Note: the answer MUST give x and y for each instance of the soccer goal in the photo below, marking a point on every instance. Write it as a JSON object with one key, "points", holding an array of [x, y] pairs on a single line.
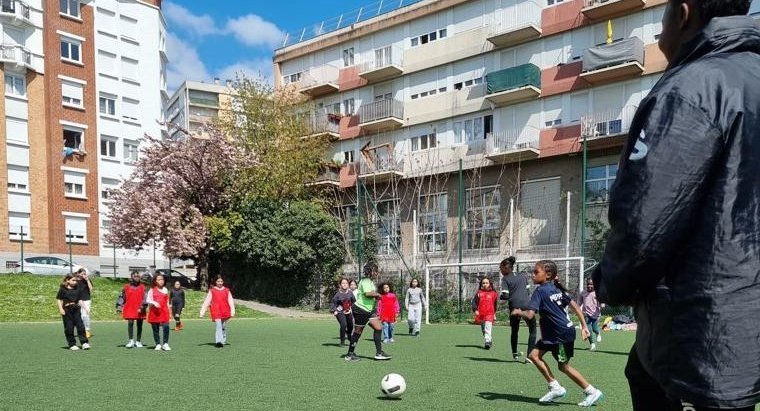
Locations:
{"points": [[445, 281]]}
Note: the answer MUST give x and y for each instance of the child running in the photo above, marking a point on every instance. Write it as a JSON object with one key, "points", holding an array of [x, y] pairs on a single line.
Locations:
{"points": [[592, 310], [387, 310], [69, 299], [85, 288], [177, 303], [219, 299], [341, 307], [158, 314], [133, 310], [484, 306], [414, 302], [514, 289], [364, 313], [551, 300]]}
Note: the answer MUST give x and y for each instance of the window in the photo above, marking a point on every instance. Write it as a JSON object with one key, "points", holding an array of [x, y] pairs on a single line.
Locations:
{"points": [[106, 63], [428, 93], [18, 178], [131, 151], [76, 229], [349, 107], [73, 138], [72, 94], [129, 69], [18, 223], [130, 109], [16, 130], [388, 227], [599, 182], [70, 8], [348, 57], [475, 129], [483, 218], [428, 37], [107, 105], [469, 83], [433, 213], [424, 142], [348, 157], [15, 85], [70, 50], [552, 2], [291, 78], [108, 147], [107, 187], [74, 184], [128, 27]]}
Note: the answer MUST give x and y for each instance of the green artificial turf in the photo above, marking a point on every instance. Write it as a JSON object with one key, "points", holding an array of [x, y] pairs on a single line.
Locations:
{"points": [[28, 297], [286, 364]]}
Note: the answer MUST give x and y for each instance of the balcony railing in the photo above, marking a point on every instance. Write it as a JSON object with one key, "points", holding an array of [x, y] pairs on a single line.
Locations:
{"points": [[319, 81], [18, 55], [516, 25], [599, 9], [380, 164], [513, 145], [327, 176], [615, 61], [381, 63], [381, 114], [607, 123], [321, 122], [15, 8], [204, 101]]}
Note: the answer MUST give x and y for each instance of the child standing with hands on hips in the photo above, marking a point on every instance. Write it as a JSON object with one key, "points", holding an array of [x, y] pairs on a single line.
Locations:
{"points": [[69, 299], [387, 310], [133, 310], [551, 300], [158, 314], [484, 306], [219, 299]]}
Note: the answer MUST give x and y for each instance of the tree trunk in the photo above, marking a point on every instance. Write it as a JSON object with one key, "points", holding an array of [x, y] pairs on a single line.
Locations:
{"points": [[201, 267]]}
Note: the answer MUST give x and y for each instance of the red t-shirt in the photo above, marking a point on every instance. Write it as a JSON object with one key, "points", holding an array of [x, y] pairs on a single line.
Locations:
{"points": [[133, 301], [220, 306], [160, 314], [486, 305], [388, 307]]}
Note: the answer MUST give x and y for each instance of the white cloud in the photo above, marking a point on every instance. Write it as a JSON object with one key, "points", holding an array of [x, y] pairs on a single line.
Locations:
{"points": [[254, 69], [184, 63], [252, 30], [181, 18]]}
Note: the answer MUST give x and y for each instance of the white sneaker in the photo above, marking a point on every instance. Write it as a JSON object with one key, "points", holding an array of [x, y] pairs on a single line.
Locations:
{"points": [[592, 398], [599, 338], [553, 394], [166, 347], [392, 340], [593, 347], [74, 348], [86, 346], [138, 344], [158, 347], [130, 344]]}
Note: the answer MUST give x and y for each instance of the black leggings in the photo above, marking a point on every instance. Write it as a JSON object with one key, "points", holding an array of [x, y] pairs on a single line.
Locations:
{"points": [[514, 323], [131, 329], [71, 320], [346, 322]]}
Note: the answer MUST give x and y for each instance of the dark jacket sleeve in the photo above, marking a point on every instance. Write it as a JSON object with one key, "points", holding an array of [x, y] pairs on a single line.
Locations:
{"points": [[475, 301], [658, 190]]}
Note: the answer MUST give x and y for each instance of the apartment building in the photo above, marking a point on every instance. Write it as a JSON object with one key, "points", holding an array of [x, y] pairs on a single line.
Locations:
{"points": [[84, 82], [532, 99], [195, 105]]}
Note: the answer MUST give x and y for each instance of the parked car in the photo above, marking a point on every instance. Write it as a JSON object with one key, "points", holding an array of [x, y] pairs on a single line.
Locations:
{"points": [[48, 265], [174, 275]]}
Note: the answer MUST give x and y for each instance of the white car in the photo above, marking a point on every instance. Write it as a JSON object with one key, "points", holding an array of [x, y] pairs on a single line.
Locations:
{"points": [[46, 265]]}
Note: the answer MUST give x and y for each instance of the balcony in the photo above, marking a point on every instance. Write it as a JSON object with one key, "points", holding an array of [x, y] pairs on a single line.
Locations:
{"points": [[382, 64], [327, 177], [513, 85], [321, 123], [516, 25], [380, 165], [511, 146], [602, 9], [607, 128], [205, 102], [319, 81], [17, 55], [617, 61], [381, 115], [16, 12]]}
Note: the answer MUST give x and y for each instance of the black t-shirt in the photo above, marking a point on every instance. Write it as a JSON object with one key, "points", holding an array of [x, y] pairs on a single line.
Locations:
{"points": [[69, 296], [84, 290], [177, 297]]}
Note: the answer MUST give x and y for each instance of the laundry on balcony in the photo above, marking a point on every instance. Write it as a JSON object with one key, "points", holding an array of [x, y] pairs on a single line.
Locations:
{"points": [[617, 53], [334, 118]]}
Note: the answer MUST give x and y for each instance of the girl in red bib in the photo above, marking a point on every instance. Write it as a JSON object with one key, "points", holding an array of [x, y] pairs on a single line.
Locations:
{"points": [[158, 314], [484, 306], [133, 296], [219, 298]]}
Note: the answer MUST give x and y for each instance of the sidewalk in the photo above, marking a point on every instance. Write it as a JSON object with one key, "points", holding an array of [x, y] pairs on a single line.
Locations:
{"points": [[281, 312]]}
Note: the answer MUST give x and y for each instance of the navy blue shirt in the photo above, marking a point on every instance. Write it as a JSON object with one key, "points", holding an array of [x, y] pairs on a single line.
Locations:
{"points": [[551, 304]]}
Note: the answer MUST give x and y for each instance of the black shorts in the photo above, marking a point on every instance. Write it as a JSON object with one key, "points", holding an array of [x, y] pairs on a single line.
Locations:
{"points": [[561, 352], [361, 316]]}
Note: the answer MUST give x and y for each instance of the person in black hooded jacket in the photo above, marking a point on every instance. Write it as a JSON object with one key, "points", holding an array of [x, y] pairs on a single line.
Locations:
{"points": [[684, 245]]}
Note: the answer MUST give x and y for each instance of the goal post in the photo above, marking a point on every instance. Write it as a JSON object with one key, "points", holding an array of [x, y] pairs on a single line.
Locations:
{"points": [[571, 272]]}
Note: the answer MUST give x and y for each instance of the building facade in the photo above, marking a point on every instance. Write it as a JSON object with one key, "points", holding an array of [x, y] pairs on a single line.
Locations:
{"points": [[195, 105], [531, 99], [85, 82]]}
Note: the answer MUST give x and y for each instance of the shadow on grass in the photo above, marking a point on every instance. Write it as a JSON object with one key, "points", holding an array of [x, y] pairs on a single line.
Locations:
{"points": [[331, 345], [384, 398], [469, 346], [486, 359], [613, 352], [210, 344], [491, 396]]}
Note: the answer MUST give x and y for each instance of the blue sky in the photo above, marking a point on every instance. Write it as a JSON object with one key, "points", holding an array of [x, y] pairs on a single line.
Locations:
{"points": [[219, 38]]}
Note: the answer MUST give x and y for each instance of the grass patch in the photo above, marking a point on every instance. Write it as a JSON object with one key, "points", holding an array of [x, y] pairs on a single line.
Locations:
{"points": [[29, 297]]}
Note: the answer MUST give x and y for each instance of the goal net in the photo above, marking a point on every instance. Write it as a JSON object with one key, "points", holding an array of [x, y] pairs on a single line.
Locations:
{"points": [[448, 288]]}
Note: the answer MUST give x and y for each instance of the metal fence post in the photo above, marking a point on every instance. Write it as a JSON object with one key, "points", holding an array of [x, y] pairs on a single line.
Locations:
{"points": [[22, 248], [71, 262]]}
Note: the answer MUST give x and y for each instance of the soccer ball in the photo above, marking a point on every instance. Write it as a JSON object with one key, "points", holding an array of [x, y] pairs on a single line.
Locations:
{"points": [[393, 385]]}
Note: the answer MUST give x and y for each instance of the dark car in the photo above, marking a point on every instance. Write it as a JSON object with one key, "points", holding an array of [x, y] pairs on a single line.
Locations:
{"points": [[174, 275]]}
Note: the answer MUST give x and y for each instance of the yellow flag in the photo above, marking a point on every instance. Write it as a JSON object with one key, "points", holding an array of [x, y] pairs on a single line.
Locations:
{"points": [[609, 31]]}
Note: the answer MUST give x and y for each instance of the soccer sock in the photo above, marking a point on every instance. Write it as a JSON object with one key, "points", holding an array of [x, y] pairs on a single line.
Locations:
{"points": [[352, 344], [554, 385], [378, 344], [589, 390]]}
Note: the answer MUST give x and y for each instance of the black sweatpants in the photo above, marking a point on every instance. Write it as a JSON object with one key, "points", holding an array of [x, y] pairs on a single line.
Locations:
{"points": [[648, 395], [514, 323], [346, 322], [73, 319]]}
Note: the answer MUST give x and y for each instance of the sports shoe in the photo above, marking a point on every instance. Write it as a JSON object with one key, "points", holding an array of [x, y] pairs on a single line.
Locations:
{"points": [[417, 334], [527, 361], [391, 340], [130, 344], [74, 348], [86, 346], [411, 331], [385, 341], [88, 334], [351, 357], [219, 345], [139, 344], [592, 398], [158, 347], [166, 347], [593, 347], [176, 328], [599, 338], [516, 355], [552, 395], [487, 345], [382, 356]]}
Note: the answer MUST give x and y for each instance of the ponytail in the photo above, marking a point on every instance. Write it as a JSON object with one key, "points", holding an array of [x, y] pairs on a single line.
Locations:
{"points": [[550, 268]]}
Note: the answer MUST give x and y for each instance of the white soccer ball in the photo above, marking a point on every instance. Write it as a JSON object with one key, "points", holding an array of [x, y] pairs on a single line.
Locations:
{"points": [[393, 385]]}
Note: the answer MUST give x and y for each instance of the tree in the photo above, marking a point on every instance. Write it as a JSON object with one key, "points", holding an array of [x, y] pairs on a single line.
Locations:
{"points": [[175, 188]]}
